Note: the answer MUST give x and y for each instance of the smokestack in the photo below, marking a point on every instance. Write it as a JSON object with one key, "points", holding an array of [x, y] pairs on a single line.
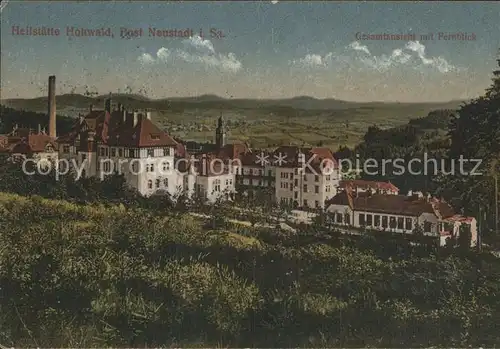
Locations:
{"points": [[52, 106]]}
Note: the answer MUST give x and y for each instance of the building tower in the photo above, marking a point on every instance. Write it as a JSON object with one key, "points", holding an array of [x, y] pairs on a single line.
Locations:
{"points": [[52, 106], [220, 133]]}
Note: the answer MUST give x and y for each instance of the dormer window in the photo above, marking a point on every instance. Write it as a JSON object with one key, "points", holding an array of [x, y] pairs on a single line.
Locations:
{"points": [[155, 137]]}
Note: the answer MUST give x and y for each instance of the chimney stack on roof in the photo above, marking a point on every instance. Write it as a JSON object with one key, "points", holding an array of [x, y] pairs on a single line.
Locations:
{"points": [[90, 107], [52, 106]]}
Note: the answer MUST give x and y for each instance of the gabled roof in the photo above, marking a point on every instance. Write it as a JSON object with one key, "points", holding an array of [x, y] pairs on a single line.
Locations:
{"points": [[111, 130], [144, 134], [33, 143]]}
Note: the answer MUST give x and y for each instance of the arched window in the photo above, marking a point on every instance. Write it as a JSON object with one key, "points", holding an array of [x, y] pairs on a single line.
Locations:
{"points": [[150, 184], [158, 181], [165, 182]]}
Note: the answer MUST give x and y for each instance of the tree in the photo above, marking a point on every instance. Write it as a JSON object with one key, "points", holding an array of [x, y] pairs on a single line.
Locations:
{"points": [[464, 237], [474, 133]]}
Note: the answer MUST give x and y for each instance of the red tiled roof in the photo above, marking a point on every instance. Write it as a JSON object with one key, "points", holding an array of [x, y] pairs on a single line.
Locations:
{"points": [[232, 151], [252, 159], [23, 141], [390, 204], [110, 129], [358, 183]]}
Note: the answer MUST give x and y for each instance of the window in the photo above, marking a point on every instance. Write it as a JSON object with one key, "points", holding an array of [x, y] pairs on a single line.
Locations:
{"points": [[305, 203], [120, 152], [327, 188], [151, 152], [361, 219], [377, 221], [166, 151], [296, 182], [101, 151], [291, 187], [427, 227], [305, 188], [327, 178], [305, 178], [316, 204], [347, 218], [166, 166], [384, 221], [113, 152], [158, 181], [150, 184], [408, 224], [295, 195], [316, 178], [217, 185], [401, 223], [369, 220], [392, 222], [316, 189], [339, 218], [269, 173], [65, 148], [151, 167]]}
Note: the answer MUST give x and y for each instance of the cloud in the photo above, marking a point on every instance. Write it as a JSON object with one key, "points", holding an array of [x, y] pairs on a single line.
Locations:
{"points": [[199, 44], [356, 46], [146, 58], [196, 51], [412, 54], [358, 56], [313, 60], [439, 62]]}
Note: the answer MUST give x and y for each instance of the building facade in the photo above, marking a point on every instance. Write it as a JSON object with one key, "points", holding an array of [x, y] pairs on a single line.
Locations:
{"points": [[399, 214]]}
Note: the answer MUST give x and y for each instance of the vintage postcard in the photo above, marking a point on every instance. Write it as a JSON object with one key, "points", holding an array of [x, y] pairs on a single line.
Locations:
{"points": [[249, 174]]}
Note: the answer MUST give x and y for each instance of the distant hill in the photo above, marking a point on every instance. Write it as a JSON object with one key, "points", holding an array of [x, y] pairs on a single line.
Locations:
{"points": [[134, 101]]}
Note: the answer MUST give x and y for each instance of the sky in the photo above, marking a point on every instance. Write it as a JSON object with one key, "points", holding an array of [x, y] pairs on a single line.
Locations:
{"points": [[262, 49]]}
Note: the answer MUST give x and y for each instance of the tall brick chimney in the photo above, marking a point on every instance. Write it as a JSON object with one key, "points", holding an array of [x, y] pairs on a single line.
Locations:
{"points": [[52, 106]]}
